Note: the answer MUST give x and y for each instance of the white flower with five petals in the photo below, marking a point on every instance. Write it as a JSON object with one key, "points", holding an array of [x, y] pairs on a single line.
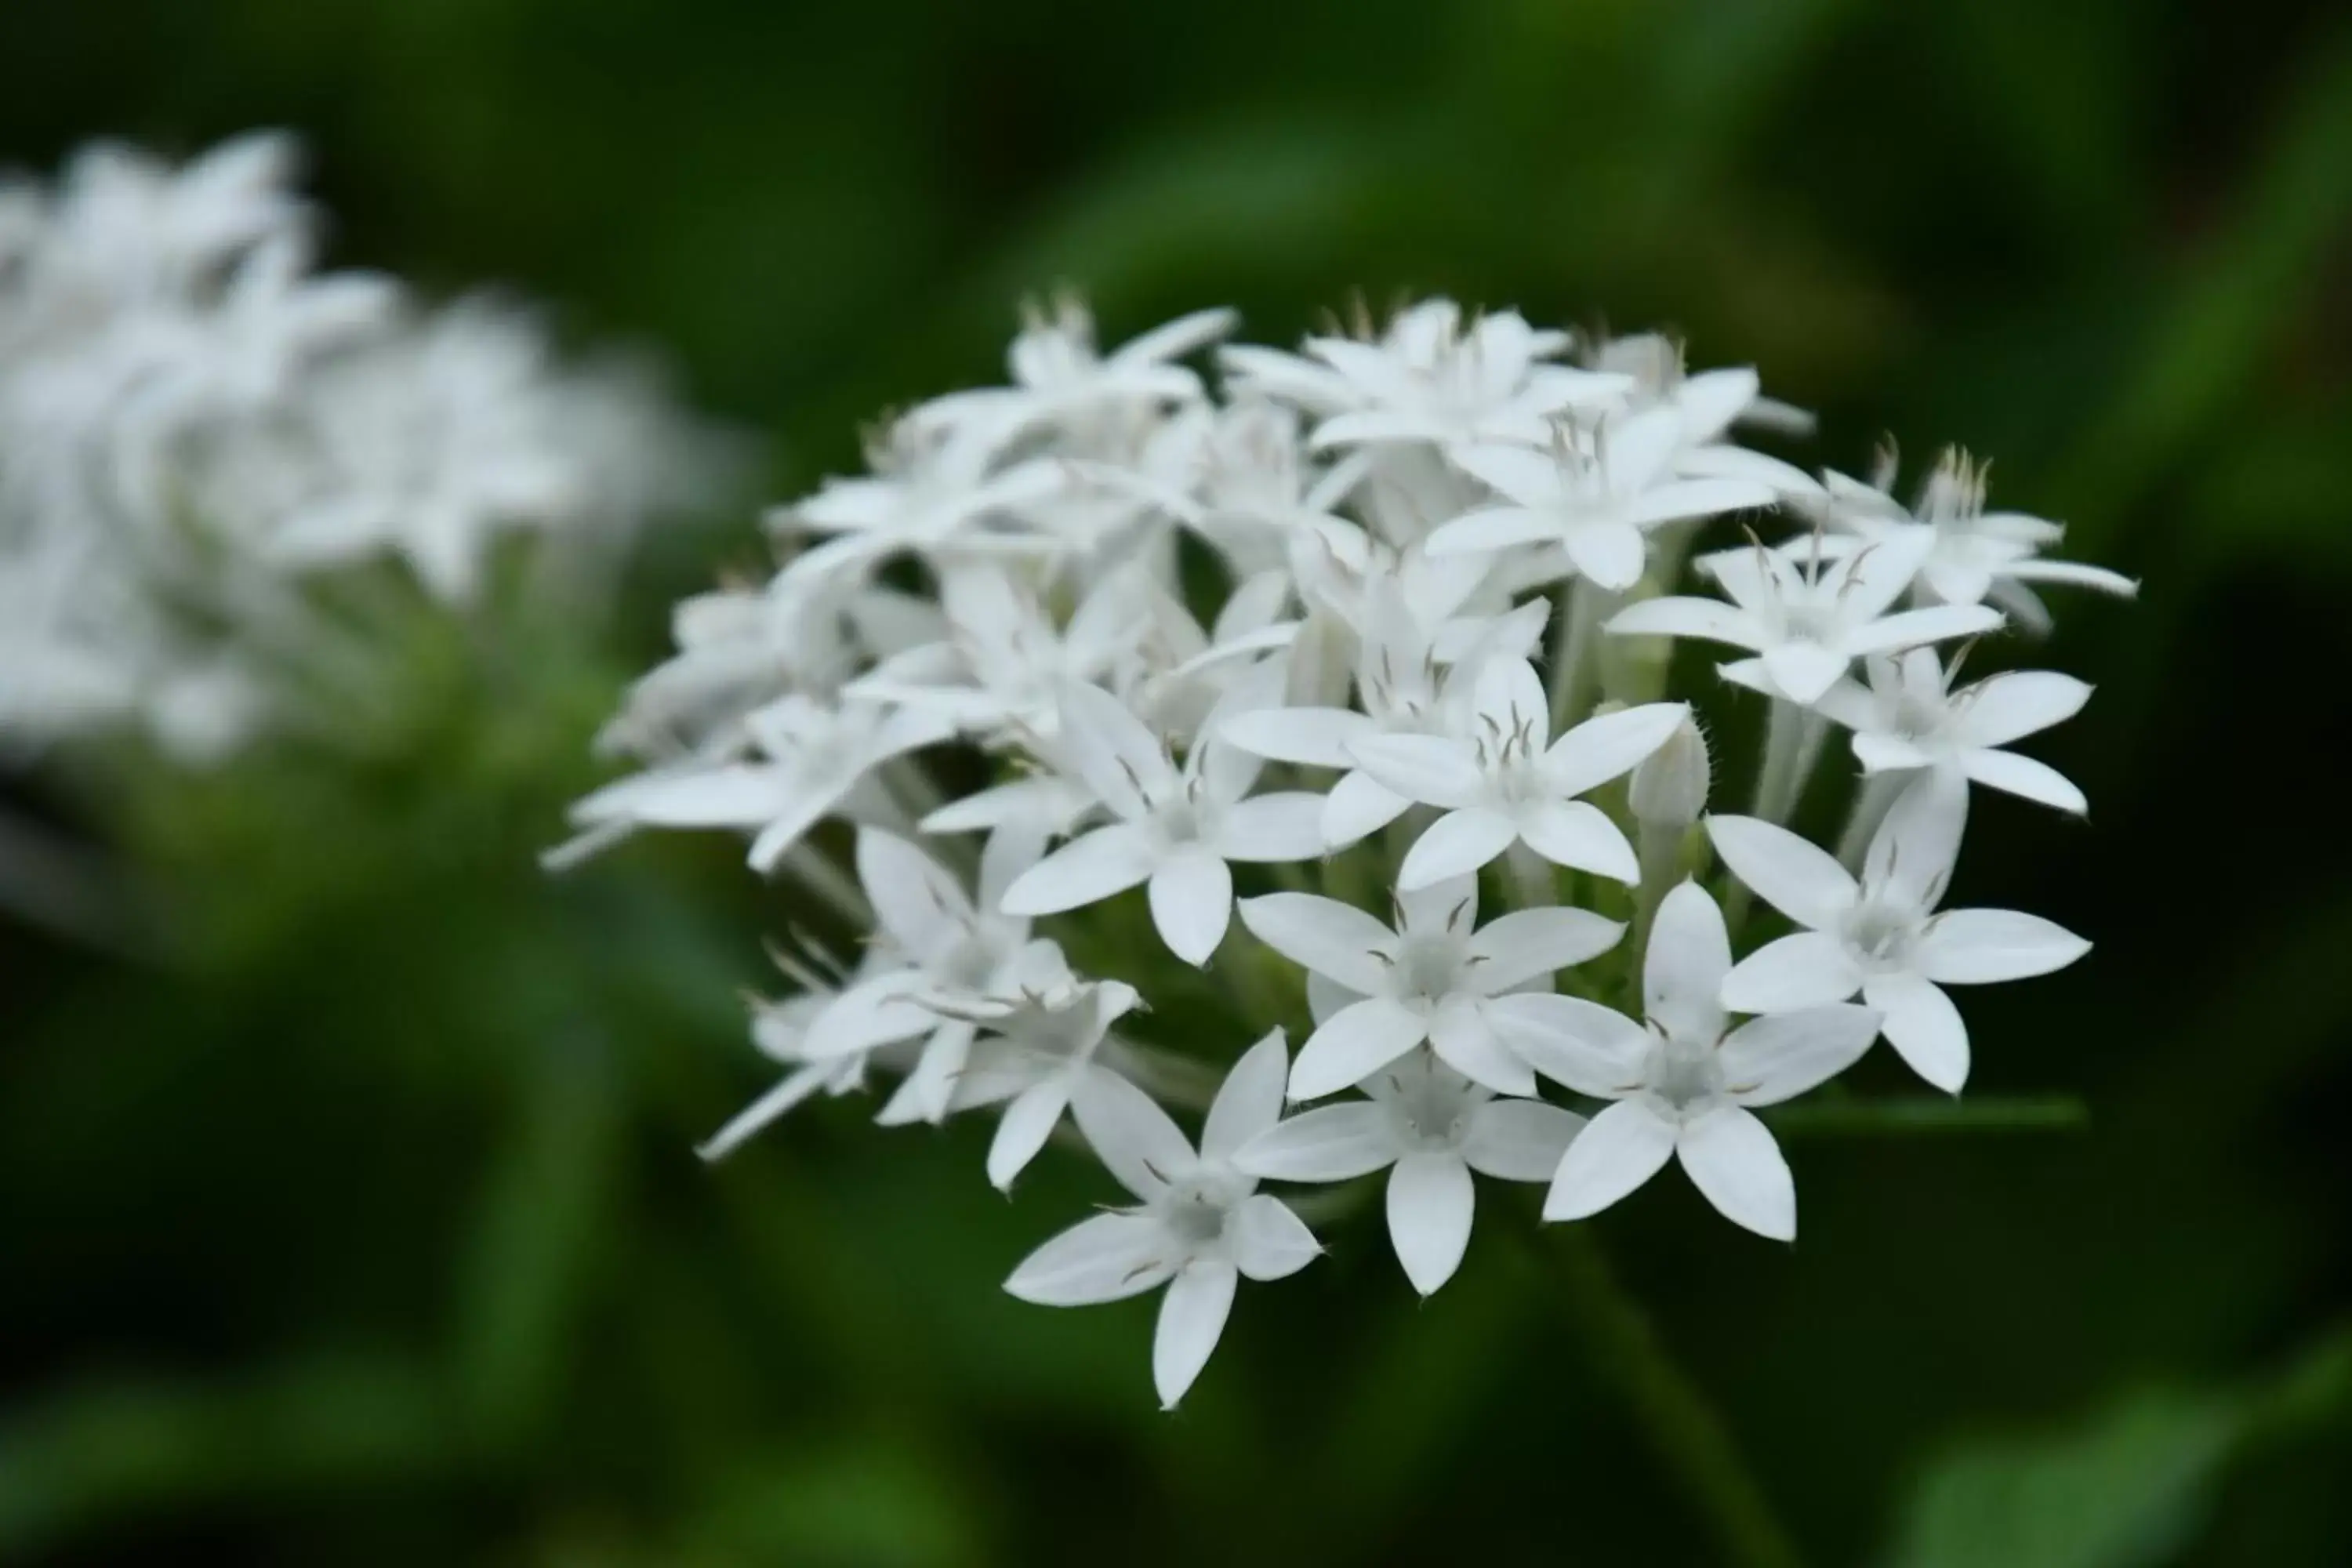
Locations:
{"points": [[1429, 1127], [1432, 979], [1683, 1087], [1907, 717], [1506, 781], [1199, 1224], [1177, 827], [1881, 935]]}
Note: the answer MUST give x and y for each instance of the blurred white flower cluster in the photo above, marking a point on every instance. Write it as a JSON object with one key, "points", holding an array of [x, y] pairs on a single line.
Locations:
{"points": [[1376, 635], [196, 425]]}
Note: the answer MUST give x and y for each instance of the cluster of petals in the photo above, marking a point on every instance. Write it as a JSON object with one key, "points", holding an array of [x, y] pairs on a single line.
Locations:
{"points": [[1096, 659]]}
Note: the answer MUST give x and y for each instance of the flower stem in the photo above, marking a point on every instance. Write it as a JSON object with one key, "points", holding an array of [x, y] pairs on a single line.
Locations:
{"points": [[1870, 804], [1684, 1428], [1581, 605]]}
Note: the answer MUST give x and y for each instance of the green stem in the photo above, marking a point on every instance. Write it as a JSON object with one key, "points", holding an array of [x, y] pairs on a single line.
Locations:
{"points": [[1684, 1428]]}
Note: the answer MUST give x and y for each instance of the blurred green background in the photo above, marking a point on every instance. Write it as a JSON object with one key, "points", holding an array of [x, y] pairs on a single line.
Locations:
{"points": [[366, 1229]]}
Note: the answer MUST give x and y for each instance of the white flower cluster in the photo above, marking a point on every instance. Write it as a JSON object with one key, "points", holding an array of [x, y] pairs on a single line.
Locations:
{"points": [[195, 422], [1370, 730]]}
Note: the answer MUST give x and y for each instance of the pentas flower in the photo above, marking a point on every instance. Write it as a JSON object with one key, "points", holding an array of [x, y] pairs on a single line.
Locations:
{"points": [[1807, 621], [1506, 781], [1966, 553], [1881, 935], [1401, 689], [1043, 1046], [1431, 979], [816, 757], [1060, 379], [1594, 496], [1177, 827], [1199, 1224], [1430, 380], [1710, 402], [1683, 1087], [1907, 716], [930, 489], [1000, 671], [1429, 1127], [782, 1032], [941, 953]]}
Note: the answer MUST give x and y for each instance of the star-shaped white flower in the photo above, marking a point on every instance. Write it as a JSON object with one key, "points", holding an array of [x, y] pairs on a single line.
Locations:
{"points": [[930, 489], [1176, 827], [1199, 1224], [1429, 380], [1907, 717], [1401, 689], [815, 756], [1429, 1127], [783, 1031], [1967, 554], [1507, 781], [947, 955], [1881, 935], [1045, 1044], [1808, 623], [1594, 497], [1429, 979], [1683, 1087]]}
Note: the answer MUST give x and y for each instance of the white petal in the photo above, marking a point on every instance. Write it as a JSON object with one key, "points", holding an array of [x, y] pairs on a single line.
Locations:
{"points": [[1975, 947], [1285, 826], [2026, 776], [1912, 627], [1130, 1135], [1328, 1143], [1697, 498], [1270, 1242], [1601, 749], [1710, 620], [1910, 858], [1682, 975], [1794, 875], [1730, 1156], [1520, 946], [1879, 753], [796, 1087], [1454, 844], [1578, 833], [1806, 970], [1801, 672], [1191, 1317], [1769, 1059], [1427, 768], [1315, 737], [1250, 1101], [1430, 1202], [1495, 528], [1591, 1048], [1358, 806], [1085, 871], [1118, 757], [1192, 903], [915, 901], [1619, 1149], [1107, 1258], [2005, 708], [1509, 695], [741, 795], [1922, 1025], [1466, 1042], [1323, 935], [1519, 1140], [1610, 554], [1359, 1040], [1027, 1122]]}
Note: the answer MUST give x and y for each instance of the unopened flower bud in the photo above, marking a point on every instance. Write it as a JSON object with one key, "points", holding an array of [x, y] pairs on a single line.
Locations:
{"points": [[1669, 788]]}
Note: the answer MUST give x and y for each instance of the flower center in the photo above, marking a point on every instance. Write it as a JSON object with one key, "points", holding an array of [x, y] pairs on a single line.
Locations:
{"points": [[1197, 1211], [1683, 1073], [1881, 933], [1428, 967], [1430, 1115]]}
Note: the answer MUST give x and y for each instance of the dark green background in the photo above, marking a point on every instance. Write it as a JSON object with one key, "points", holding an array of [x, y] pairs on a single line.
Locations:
{"points": [[366, 1228]]}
